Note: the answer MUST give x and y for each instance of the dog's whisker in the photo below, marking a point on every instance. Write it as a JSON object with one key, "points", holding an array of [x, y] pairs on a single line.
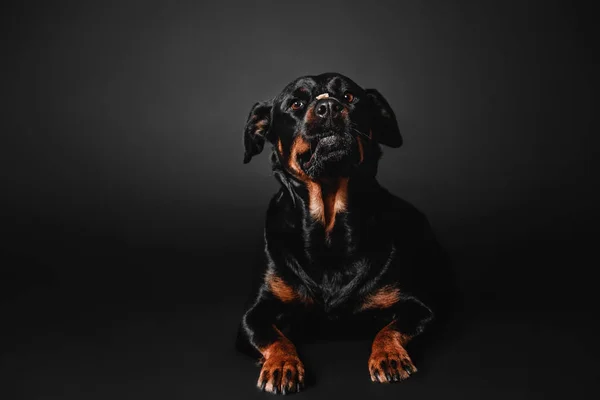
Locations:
{"points": [[353, 126], [360, 133]]}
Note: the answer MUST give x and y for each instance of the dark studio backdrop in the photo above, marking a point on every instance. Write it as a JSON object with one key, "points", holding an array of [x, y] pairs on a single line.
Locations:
{"points": [[130, 223]]}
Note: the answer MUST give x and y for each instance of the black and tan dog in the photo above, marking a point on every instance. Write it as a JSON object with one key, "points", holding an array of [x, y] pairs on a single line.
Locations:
{"points": [[342, 254]]}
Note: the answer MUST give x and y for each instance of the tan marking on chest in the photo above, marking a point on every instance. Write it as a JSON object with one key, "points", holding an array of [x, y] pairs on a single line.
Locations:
{"points": [[279, 288], [325, 199], [335, 200], [384, 297], [283, 291]]}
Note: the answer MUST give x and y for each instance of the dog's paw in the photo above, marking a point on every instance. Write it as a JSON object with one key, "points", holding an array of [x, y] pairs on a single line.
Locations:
{"points": [[281, 374], [391, 365]]}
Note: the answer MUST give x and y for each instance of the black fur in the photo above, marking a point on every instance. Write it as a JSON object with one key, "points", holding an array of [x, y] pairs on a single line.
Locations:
{"points": [[379, 240]]}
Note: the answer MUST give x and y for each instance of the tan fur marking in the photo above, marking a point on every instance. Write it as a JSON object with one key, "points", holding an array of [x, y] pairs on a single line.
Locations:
{"points": [[316, 206], [280, 146], [384, 297], [335, 201], [326, 199], [279, 288], [260, 126], [315, 201], [299, 146], [310, 115], [283, 291], [280, 357], [389, 358], [361, 151], [388, 335], [341, 196], [282, 346]]}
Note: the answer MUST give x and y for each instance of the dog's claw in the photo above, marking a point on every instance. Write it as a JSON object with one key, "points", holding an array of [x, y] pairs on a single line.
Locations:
{"points": [[264, 377]]}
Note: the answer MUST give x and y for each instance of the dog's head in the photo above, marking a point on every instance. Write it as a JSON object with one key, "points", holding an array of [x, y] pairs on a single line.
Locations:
{"points": [[322, 126]]}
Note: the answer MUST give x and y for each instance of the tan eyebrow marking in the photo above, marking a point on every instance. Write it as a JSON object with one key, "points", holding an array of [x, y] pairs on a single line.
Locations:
{"points": [[322, 96]]}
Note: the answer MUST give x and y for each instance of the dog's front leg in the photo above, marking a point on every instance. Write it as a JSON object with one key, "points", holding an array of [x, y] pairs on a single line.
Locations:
{"points": [[282, 371], [389, 360]]}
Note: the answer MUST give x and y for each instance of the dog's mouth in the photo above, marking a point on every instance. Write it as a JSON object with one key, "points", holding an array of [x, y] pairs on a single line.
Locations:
{"points": [[328, 154], [315, 144]]}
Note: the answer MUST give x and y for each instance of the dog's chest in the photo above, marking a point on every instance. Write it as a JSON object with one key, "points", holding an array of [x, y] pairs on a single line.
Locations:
{"points": [[336, 288]]}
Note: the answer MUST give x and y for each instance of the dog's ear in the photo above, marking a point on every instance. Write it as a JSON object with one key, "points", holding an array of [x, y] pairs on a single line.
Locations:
{"points": [[383, 120], [257, 129]]}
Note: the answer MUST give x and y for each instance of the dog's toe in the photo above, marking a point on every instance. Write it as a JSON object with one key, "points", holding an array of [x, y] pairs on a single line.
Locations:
{"points": [[281, 375]]}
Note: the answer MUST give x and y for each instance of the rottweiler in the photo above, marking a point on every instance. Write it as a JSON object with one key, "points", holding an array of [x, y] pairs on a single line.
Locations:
{"points": [[341, 253]]}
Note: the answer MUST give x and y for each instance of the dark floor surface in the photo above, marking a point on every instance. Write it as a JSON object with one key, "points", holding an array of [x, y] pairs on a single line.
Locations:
{"points": [[132, 330]]}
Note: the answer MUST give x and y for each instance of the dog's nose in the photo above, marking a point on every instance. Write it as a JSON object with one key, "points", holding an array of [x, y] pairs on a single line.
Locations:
{"points": [[328, 107]]}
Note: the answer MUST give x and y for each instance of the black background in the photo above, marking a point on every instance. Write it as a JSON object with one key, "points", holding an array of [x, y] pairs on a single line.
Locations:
{"points": [[130, 223]]}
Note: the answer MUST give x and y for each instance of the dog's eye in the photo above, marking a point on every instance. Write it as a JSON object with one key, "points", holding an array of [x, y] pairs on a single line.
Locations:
{"points": [[349, 97], [298, 104]]}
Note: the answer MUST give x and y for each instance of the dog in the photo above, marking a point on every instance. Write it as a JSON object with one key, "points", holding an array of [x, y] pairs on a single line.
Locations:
{"points": [[342, 254]]}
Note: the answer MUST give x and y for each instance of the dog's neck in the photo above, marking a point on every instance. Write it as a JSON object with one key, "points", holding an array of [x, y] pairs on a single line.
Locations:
{"points": [[325, 202], [326, 198]]}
